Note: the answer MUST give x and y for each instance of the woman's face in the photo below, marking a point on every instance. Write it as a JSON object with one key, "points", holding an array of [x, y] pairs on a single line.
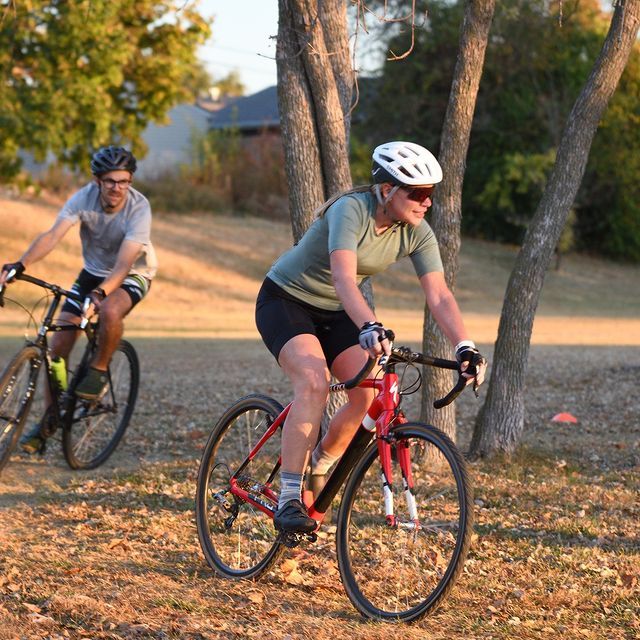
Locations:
{"points": [[409, 204]]}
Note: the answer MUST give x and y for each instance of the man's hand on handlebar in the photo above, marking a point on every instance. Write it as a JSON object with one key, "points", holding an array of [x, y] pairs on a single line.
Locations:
{"points": [[10, 271], [473, 365], [97, 296], [91, 305], [373, 339]]}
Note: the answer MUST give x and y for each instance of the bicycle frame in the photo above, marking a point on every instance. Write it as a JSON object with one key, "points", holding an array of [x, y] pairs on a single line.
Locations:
{"points": [[48, 326], [382, 414]]}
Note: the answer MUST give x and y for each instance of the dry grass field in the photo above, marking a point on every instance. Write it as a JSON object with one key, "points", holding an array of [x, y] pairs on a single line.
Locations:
{"points": [[113, 553]]}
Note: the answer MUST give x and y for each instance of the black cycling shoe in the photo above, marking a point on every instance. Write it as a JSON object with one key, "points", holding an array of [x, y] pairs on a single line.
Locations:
{"points": [[292, 517], [33, 441]]}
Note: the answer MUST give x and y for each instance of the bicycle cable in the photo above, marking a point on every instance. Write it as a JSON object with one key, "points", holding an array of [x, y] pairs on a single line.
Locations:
{"points": [[31, 312], [415, 385]]}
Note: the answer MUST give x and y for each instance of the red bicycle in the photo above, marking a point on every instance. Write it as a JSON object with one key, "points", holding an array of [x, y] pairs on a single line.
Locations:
{"points": [[406, 515]]}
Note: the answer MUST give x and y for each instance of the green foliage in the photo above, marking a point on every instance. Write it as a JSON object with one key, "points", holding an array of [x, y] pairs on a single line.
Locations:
{"points": [[509, 189], [78, 75], [609, 202], [360, 160], [536, 64]]}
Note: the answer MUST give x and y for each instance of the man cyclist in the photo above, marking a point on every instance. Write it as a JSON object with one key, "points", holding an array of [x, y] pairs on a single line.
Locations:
{"points": [[119, 263], [314, 319]]}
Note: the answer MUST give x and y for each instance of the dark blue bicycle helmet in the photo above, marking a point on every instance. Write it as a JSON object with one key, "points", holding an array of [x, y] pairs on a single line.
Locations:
{"points": [[112, 159]]}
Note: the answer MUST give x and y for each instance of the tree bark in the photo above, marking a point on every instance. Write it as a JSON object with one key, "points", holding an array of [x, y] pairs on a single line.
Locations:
{"points": [[314, 94], [446, 212], [501, 421], [315, 84], [297, 125]]}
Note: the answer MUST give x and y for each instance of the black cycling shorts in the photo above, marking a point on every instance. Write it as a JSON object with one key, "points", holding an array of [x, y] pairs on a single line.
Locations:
{"points": [[136, 287], [280, 317]]}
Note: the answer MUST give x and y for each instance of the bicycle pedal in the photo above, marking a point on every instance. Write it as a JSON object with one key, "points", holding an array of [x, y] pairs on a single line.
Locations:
{"points": [[288, 539], [291, 539]]}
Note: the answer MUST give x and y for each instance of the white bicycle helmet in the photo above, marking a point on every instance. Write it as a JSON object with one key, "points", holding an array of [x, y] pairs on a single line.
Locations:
{"points": [[405, 163]]}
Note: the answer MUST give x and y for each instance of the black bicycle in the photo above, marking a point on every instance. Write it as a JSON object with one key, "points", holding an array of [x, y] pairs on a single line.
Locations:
{"points": [[91, 429]]}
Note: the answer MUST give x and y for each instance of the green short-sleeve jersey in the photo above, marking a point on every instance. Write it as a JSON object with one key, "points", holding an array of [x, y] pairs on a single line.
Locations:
{"points": [[305, 272]]}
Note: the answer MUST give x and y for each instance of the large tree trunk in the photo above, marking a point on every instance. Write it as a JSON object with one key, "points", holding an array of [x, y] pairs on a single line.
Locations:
{"points": [[447, 206], [501, 421], [315, 83], [314, 91], [297, 126]]}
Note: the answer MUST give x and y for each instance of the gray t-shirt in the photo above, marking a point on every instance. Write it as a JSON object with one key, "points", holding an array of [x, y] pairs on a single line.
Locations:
{"points": [[305, 272], [102, 233]]}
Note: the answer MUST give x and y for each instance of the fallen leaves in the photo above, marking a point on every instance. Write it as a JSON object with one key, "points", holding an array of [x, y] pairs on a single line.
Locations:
{"points": [[114, 552], [292, 575]]}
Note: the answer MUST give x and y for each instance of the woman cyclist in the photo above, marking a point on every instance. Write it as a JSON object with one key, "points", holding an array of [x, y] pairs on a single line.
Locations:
{"points": [[314, 319]]}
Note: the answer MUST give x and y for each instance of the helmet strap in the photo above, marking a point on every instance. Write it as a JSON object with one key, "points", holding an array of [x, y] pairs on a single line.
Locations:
{"points": [[384, 201]]}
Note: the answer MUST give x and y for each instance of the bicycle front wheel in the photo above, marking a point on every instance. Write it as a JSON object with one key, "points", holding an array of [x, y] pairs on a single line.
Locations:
{"points": [[17, 390], [93, 429], [401, 569], [237, 538]]}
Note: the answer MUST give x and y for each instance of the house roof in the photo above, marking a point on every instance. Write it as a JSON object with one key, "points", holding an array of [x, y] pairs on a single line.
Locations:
{"points": [[260, 110], [257, 111]]}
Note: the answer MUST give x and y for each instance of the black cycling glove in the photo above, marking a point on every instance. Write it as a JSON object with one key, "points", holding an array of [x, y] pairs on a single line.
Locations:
{"points": [[466, 352], [17, 266]]}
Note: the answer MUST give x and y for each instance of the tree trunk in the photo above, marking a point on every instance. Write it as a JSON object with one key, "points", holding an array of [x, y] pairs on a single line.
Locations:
{"points": [[446, 212], [315, 82], [297, 125], [501, 420]]}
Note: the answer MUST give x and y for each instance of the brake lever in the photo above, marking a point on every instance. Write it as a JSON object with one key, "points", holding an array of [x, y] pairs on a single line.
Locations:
{"points": [[10, 275], [85, 307]]}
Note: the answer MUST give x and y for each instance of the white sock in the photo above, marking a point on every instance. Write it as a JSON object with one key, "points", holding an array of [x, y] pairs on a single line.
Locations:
{"points": [[290, 487], [321, 461]]}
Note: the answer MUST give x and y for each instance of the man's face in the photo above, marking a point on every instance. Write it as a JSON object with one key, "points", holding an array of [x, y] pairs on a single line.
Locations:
{"points": [[114, 188]]}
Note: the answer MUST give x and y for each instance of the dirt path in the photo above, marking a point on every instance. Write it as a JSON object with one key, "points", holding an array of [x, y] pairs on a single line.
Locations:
{"points": [[113, 553]]}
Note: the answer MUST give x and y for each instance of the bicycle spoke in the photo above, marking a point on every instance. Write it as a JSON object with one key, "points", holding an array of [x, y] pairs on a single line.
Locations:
{"points": [[94, 428], [17, 394], [238, 539], [403, 571]]}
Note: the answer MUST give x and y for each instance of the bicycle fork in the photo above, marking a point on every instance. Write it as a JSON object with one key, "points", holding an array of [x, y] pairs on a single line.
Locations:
{"points": [[403, 457]]}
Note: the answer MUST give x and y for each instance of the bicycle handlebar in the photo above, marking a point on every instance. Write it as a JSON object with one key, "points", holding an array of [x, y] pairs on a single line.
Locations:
{"points": [[357, 379], [41, 283], [405, 355]]}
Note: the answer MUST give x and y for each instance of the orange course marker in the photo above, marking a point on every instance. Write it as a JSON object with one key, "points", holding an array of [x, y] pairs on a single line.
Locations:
{"points": [[564, 417]]}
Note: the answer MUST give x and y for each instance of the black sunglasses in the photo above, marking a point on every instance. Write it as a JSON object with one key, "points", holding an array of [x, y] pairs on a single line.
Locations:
{"points": [[419, 194]]}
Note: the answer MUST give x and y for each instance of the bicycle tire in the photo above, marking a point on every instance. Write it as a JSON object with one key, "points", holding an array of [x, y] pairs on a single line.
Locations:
{"points": [[17, 390], [93, 429], [402, 573], [238, 540]]}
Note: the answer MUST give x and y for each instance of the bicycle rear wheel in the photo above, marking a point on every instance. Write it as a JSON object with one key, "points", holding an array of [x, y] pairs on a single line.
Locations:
{"points": [[93, 429], [239, 540], [17, 390], [403, 571]]}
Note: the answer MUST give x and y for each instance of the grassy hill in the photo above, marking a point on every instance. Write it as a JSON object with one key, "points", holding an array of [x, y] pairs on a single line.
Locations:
{"points": [[211, 268]]}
